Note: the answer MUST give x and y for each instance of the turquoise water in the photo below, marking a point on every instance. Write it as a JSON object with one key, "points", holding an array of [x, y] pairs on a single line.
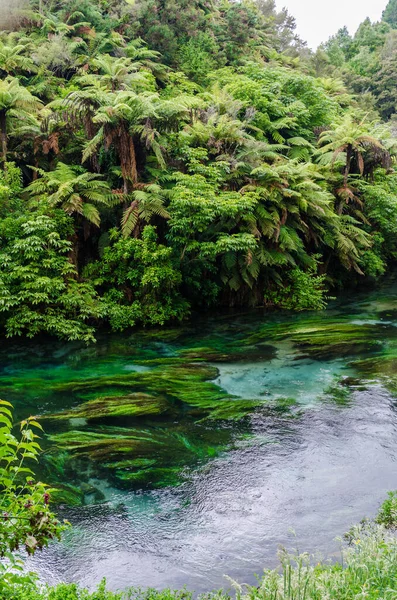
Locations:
{"points": [[187, 454]]}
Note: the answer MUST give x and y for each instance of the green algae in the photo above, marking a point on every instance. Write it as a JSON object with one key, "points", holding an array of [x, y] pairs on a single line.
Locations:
{"points": [[157, 477], [131, 405], [230, 353], [339, 394], [321, 339], [189, 384], [143, 463], [103, 445], [144, 410], [133, 456], [380, 369], [68, 494], [284, 405]]}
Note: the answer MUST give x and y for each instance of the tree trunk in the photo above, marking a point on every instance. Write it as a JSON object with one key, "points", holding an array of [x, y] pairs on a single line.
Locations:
{"points": [[73, 255], [3, 137], [349, 156], [90, 132], [127, 156]]}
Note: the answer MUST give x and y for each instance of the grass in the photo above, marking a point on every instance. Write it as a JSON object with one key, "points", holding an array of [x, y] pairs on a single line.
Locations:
{"points": [[367, 569]]}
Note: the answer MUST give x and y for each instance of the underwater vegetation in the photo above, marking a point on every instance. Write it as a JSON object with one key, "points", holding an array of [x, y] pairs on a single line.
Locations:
{"points": [[319, 337], [143, 428], [144, 411]]}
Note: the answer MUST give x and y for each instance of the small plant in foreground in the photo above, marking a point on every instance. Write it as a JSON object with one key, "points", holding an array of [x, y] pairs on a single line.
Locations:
{"points": [[26, 520], [387, 515]]}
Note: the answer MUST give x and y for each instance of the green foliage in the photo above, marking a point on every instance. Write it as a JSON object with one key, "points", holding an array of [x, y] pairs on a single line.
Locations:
{"points": [[26, 520], [198, 57], [369, 566], [387, 514], [38, 287], [210, 122], [76, 193], [138, 281], [305, 291], [367, 62], [390, 13], [10, 190], [224, 164], [63, 591], [145, 205]]}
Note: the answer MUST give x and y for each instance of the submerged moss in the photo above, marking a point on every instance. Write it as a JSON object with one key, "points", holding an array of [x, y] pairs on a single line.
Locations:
{"points": [[160, 477], [284, 405], [189, 384], [232, 353], [318, 338], [338, 393], [142, 410], [134, 456], [68, 494], [131, 405]]}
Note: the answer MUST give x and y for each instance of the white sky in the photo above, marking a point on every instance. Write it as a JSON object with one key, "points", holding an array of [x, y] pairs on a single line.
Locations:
{"points": [[317, 20]]}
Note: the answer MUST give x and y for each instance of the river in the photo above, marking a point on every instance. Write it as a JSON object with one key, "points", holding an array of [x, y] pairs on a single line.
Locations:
{"points": [[191, 453]]}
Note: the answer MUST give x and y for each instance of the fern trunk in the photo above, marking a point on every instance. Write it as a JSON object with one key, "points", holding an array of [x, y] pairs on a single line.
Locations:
{"points": [[3, 136], [349, 156]]}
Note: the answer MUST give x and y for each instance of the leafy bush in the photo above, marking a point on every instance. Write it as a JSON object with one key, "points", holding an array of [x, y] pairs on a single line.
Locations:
{"points": [[387, 515], [71, 591], [139, 282], [368, 569], [39, 291], [10, 189], [26, 520], [306, 291]]}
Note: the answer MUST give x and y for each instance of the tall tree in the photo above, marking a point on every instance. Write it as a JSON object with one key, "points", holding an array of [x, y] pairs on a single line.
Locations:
{"points": [[14, 56], [390, 13], [350, 140], [120, 119]]}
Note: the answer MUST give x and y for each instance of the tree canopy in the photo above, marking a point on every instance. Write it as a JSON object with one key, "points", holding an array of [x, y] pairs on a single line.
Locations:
{"points": [[164, 157]]}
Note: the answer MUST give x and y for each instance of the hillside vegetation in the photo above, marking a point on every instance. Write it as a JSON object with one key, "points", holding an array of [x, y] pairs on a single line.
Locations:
{"points": [[164, 156]]}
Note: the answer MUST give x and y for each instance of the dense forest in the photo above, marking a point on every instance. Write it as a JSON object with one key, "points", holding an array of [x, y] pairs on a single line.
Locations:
{"points": [[164, 156]]}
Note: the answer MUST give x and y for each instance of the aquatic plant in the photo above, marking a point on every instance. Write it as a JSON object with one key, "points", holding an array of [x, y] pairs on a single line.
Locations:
{"points": [[323, 339], [153, 457], [140, 412], [131, 405]]}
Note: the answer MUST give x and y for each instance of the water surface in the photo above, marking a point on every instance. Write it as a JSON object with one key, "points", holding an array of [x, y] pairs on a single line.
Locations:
{"points": [[186, 454]]}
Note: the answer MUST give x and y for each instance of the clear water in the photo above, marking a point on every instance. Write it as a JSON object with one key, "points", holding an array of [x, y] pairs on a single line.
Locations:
{"points": [[235, 430]]}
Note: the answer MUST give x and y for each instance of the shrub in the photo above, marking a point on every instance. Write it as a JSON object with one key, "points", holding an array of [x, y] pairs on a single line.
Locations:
{"points": [[39, 292], [26, 520], [387, 515], [139, 282], [305, 291]]}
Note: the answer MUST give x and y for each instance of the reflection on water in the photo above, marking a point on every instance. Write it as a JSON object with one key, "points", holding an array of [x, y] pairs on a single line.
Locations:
{"points": [[191, 453]]}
